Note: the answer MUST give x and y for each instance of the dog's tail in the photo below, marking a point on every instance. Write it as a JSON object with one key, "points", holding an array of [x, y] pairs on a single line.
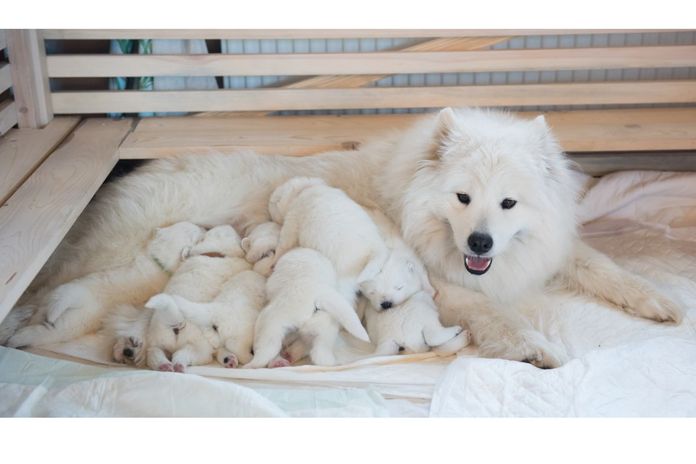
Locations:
{"points": [[336, 305]]}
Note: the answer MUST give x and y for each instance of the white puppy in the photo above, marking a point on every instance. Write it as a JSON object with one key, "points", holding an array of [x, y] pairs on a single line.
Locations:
{"points": [[412, 327], [214, 260], [79, 306], [260, 246], [231, 315], [303, 296], [314, 215]]}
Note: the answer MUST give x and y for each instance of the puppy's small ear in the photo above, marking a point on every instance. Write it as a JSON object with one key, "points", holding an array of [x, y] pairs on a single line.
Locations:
{"points": [[245, 244], [444, 129]]}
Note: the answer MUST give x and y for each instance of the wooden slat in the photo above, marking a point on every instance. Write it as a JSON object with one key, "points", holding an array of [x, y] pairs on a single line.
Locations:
{"points": [[604, 163], [29, 78], [297, 64], [600, 93], [36, 218], [23, 150], [627, 130], [8, 115], [81, 34], [5, 77], [3, 39]]}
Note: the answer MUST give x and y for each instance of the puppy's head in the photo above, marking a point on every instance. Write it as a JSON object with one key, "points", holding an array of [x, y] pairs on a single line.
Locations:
{"points": [[171, 244], [401, 276], [261, 241], [283, 196], [220, 239]]}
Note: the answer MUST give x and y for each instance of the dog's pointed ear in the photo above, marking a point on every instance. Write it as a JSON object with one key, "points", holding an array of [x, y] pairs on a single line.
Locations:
{"points": [[444, 130], [245, 243]]}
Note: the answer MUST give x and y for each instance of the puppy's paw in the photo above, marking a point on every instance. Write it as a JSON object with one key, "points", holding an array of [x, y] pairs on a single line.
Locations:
{"points": [[178, 367], [648, 303], [28, 336], [525, 346], [166, 367], [278, 362]]}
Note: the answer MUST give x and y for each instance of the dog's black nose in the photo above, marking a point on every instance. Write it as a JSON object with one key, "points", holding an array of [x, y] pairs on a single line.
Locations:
{"points": [[386, 304], [480, 243], [127, 352]]}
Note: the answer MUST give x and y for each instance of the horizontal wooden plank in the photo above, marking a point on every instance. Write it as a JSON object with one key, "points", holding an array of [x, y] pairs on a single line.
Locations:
{"points": [[37, 217], [599, 93], [81, 34], [23, 150], [599, 164], [8, 115], [294, 64], [5, 77], [639, 130]]}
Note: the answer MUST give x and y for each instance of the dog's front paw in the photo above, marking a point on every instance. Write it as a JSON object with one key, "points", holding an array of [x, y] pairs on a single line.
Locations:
{"points": [[278, 362], [648, 303], [178, 367], [166, 367], [525, 346], [28, 336]]}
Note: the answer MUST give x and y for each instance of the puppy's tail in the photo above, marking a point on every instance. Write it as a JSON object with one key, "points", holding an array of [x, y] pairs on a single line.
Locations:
{"points": [[333, 303]]}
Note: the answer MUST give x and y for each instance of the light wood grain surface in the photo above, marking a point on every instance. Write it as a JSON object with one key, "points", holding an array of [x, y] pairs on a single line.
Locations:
{"points": [[37, 217], [8, 115]]}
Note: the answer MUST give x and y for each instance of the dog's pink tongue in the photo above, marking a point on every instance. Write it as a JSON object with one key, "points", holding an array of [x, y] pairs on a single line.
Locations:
{"points": [[478, 263]]}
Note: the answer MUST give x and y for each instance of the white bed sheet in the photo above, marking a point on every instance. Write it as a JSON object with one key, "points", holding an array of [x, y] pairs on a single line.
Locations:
{"points": [[622, 366]]}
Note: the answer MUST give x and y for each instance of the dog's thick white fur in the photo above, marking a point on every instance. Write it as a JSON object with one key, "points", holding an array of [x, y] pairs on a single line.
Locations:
{"points": [[414, 177], [260, 246], [212, 261], [78, 307], [231, 315], [314, 215], [303, 296], [412, 327]]}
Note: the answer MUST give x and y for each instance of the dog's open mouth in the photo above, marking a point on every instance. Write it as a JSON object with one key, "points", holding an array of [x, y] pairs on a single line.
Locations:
{"points": [[477, 265]]}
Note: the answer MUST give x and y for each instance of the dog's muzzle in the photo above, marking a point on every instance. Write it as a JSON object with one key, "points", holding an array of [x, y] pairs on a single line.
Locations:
{"points": [[477, 265]]}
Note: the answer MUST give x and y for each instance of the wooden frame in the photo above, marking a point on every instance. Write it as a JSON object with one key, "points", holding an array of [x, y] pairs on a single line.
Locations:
{"points": [[49, 174]]}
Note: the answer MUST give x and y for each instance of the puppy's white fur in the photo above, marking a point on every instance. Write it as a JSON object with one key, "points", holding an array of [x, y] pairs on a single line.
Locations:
{"points": [[412, 327], [303, 296], [260, 246], [314, 215], [231, 315], [199, 278], [79, 306]]}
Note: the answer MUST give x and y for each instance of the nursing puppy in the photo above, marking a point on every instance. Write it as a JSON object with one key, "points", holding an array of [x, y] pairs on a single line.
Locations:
{"points": [[230, 316], [79, 306], [412, 327], [314, 215], [211, 262], [303, 296], [260, 246]]}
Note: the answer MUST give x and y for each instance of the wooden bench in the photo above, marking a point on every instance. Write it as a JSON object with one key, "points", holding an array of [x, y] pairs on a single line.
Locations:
{"points": [[51, 166]]}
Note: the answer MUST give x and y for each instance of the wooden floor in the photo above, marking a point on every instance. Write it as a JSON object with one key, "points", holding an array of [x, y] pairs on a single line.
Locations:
{"points": [[47, 176]]}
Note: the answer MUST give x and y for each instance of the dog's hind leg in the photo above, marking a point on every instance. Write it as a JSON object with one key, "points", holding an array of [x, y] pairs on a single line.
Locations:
{"points": [[268, 341], [192, 354], [595, 274], [435, 334], [157, 360], [289, 236]]}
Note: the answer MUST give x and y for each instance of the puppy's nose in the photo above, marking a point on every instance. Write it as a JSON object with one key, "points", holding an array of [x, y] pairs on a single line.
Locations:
{"points": [[386, 304], [127, 352], [480, 243]]}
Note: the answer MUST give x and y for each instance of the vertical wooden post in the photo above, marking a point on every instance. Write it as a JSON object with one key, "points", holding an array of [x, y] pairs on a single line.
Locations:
{"points": [[32, 94]]}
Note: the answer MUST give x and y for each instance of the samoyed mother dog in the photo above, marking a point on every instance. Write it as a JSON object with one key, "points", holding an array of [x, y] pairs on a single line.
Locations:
{"points": [[486, 199]]}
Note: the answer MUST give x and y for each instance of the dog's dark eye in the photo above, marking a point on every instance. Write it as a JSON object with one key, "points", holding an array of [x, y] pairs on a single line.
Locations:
{"points": [[508, 203], [464, 198]]}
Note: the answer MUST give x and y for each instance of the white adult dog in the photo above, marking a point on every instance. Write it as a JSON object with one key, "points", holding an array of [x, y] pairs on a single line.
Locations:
{"points": [[79, 306], [231, 316], [303, 296], [485, 198]]}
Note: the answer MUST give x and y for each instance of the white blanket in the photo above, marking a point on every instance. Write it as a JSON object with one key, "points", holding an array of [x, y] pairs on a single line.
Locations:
{"points": [[622, 366]]}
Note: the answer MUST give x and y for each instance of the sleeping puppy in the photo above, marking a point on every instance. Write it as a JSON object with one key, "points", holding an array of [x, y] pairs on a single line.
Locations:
{"points": [[231, 315], [412, 327], [70, 309], [314, 215], [212, 261], [260, 246], [303, 297]]}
